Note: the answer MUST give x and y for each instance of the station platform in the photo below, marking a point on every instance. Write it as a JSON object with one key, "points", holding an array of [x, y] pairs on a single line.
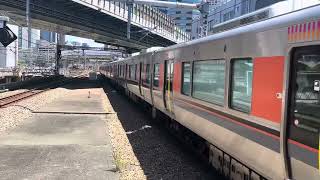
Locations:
{"points": [[66, 139]]}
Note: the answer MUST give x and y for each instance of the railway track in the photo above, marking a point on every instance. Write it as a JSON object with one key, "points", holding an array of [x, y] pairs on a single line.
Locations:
{"points": [[26, 94], [18, 97]]}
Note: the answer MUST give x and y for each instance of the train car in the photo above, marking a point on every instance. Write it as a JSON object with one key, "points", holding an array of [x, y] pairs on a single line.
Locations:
{"points": [[252, 93]]}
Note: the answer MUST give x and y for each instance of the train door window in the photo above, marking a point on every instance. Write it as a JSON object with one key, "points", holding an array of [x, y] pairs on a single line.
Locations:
{"points": [[208, 81], [124, 70], [129, 74], [156, 75], [121, 67], [186, 78], [143, 74], [132, 71], [119, 70], [135, 72], [148, 74], [169, 76], [241, 84]]}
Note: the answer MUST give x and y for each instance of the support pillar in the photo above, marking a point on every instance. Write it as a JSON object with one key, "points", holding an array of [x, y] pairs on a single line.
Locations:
{"points": [[28, 22], [129, 5]]}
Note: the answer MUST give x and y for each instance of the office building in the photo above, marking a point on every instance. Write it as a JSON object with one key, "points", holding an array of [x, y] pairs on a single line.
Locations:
{"points": [[183, 18], [221, 11], [48, 36], [23, 37]]}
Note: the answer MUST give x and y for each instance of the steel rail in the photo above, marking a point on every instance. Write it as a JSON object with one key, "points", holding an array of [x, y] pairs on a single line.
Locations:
{"points": [[4, 102]]}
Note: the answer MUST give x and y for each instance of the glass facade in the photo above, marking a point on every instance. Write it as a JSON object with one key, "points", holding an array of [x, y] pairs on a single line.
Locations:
{"points": [[241, 85], [209, 81]]}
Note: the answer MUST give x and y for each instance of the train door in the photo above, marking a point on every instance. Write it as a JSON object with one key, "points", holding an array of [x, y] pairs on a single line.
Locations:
{"points": [[152, 79], [303, 116], [168, 83]]}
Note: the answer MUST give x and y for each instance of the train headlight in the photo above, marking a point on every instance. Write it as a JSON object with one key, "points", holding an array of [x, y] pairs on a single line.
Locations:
{"points": [[6, 35]]}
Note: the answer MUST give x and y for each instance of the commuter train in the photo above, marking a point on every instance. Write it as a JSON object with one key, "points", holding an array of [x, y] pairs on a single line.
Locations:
{"points": [[251, 92]]}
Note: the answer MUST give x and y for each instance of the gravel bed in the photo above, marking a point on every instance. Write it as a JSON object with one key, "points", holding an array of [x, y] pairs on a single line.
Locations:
{"points": [[10, 93], [15, 114], [126, 161], [145, 150]]}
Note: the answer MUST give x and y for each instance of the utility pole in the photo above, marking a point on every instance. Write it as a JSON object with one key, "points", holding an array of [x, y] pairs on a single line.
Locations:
{"points": [[84, 59], [28, 22], [58, 59]]}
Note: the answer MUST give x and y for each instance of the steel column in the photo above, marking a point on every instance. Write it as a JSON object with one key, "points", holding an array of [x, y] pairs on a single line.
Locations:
{"points": [[28, 22], [129, 5]]}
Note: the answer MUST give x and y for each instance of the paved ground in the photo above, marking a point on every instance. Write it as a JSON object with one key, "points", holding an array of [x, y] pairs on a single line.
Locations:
{"points": [[68, 139], [64, 140]]}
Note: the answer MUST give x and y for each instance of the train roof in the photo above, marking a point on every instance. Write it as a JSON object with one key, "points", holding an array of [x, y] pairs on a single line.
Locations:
{"points": [[284, 20]]}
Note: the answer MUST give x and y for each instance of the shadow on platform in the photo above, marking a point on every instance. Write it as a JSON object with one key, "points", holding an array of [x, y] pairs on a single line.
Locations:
{"points": [[160, 154]]}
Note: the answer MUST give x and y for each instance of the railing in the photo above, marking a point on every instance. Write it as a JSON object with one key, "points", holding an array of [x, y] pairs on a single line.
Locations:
{"points": [[144, 16]]}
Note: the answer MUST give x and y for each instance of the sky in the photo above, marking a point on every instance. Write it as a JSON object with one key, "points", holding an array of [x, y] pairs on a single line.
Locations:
{"points": [[90, 42]]}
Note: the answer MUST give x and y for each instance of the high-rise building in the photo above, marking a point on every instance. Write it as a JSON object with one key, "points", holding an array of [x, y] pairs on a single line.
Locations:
{"points": [[183, 18], [23, 37], [48, 36], [225, 10]]}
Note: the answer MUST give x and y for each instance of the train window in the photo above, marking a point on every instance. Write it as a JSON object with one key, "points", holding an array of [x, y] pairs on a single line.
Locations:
{"points": [[119, 70], [143, 74], [123, 70], [186, 78], [129, 72], [156, 75], [241, 84], [208, 81], [148, 74]]}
